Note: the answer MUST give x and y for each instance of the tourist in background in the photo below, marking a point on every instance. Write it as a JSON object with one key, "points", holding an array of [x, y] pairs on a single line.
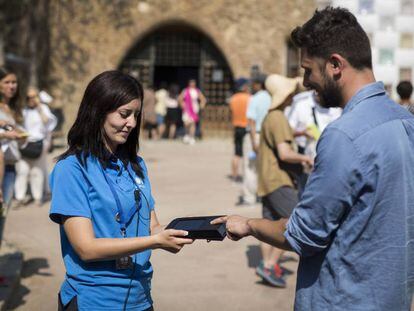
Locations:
{"points": [[39, 122], [308, 120], [278, 164], [405, 90], [192, 101], [173, 111], [257, 109], [149, 115], [10, 132], [238, 107], [161, 97]]}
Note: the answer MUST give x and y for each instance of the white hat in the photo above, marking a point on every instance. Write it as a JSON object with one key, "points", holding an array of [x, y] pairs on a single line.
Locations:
{"points": [[280, 88]]}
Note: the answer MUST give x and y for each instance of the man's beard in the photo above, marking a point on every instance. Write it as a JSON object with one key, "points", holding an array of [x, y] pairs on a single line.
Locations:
{"points": [[330, 95]]}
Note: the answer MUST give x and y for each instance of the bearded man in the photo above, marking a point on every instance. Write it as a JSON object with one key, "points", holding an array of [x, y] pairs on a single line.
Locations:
{"points": [[354, 226]]}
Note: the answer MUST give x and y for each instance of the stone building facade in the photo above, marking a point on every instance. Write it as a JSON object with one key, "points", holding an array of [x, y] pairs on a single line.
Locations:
{"points": [[88, 37]]}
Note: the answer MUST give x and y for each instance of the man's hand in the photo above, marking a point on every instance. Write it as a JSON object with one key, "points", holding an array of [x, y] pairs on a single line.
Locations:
{"points": [[237, 226]]}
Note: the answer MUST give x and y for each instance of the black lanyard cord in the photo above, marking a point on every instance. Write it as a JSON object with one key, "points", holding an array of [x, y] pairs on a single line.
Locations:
{"points": [[135, 257]]}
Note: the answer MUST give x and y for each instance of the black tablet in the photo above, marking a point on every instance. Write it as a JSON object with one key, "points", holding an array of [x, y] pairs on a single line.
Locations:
{"points": [[200, 227]]}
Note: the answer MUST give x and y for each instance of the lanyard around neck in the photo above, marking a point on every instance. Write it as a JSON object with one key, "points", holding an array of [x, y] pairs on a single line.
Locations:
{"points": [[121, 217]]}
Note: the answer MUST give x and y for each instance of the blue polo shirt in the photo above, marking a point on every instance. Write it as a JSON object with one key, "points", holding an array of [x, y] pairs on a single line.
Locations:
{"points": [[81, 190], [354, 226]]}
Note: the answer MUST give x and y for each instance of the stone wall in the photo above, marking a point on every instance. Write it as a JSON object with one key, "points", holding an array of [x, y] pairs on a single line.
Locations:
{"points": [[88, 37]]}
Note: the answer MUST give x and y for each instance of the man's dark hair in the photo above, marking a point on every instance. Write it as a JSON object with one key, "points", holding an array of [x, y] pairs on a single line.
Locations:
{"points": [[405, 89], [334, 30], [104, 94]]}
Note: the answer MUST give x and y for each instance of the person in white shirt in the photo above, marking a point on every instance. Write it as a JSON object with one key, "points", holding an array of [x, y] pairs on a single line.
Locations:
{"points": [[161, 98], [308, 120], [39, 122], [306, 115]]}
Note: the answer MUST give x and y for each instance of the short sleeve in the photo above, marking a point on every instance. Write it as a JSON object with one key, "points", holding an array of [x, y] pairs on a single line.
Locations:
{"points": [[251, 112], [69, 191], [293, 116], [279, 129], [329, 194], [52, 120], [148, 194]]}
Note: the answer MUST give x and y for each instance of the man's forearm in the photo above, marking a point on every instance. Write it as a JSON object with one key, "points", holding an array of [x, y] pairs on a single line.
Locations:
{"points": [[270, 232]]}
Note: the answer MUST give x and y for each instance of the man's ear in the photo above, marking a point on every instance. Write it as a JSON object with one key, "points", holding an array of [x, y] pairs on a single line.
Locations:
{"points": [[335, 65]]}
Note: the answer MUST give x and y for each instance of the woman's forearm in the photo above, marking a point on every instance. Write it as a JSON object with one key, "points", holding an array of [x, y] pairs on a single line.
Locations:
{"points": [[112, 248]]}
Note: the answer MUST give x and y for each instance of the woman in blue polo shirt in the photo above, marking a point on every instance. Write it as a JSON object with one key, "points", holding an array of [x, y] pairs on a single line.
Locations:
{"points": [[101, 198]]}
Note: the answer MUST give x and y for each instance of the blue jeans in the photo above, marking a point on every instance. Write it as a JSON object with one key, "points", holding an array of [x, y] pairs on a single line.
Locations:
{"points": [[8, 184], [8, 187]]}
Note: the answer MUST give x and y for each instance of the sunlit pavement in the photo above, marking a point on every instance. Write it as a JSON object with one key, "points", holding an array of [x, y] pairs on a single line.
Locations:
{"points": [[186, 181]]}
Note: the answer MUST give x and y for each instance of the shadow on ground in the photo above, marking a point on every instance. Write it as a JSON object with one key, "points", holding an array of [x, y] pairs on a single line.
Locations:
{"points": [[253, 256], [31, 267]]}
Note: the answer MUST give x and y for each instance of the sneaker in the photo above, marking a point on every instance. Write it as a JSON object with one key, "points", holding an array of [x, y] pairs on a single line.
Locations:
{"points": [[286, 271], [239, 179], [269, 276], [242, 202]]}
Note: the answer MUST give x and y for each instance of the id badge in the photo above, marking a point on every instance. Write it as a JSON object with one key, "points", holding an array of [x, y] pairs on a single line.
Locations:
{"points": [[124, 263]]}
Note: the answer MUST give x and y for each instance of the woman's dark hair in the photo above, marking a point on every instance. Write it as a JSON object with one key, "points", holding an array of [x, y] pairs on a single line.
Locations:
{"points": [[104, 94], [15, 102], [405, 89], [334, 30]]}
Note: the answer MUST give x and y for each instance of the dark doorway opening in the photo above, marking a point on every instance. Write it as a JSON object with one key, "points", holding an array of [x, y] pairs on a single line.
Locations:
{"points": [[174, 75], [175, 53]]}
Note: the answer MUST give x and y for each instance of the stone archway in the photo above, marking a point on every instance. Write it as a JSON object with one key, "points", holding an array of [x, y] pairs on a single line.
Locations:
{"points": [[176, 52]]}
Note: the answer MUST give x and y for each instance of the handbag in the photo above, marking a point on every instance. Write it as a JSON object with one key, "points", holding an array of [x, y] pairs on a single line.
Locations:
{"points": [[32, 150]]}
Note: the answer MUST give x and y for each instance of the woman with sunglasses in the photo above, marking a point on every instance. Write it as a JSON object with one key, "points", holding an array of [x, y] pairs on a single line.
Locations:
{"points": [[39, 122]]}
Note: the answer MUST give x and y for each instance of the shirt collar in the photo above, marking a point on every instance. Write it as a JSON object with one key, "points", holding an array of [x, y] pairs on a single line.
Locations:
{"points": [[369, 90]]}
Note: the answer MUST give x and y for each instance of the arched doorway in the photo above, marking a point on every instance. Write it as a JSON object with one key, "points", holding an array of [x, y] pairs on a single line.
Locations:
{"points": [[175, 53]]}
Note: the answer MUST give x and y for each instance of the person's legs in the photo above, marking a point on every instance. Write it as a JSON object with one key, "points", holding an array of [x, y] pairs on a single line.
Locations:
{"points": [[239, 133], [160, 126], [7, 188], [278, 204], [36, 178], [171, 131], [192, 129], [249, 188], [22, 175], [270, 255], [189, 137]]}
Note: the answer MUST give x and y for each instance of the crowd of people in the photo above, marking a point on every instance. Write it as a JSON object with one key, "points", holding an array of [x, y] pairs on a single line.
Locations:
{"points": [[26, 126], [169, 113], [332, 165]]}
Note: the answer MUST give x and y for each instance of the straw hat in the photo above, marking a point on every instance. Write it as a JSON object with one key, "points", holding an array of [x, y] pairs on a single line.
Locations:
{"points": [[280, 88]]}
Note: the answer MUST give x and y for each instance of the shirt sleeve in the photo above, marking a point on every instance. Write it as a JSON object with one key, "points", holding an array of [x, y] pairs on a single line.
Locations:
{"points": [[293, 116], [329, 194], [69, 191], [51, 118], [149, 197], [251, 109], [279, 129]]}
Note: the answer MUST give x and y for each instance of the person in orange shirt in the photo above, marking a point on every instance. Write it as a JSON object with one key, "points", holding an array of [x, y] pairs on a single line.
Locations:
{"points": [[238, 107]]}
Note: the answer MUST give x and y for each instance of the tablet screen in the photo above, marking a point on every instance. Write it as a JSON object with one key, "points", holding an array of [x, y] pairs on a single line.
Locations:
{"points": [[189, 224]]}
